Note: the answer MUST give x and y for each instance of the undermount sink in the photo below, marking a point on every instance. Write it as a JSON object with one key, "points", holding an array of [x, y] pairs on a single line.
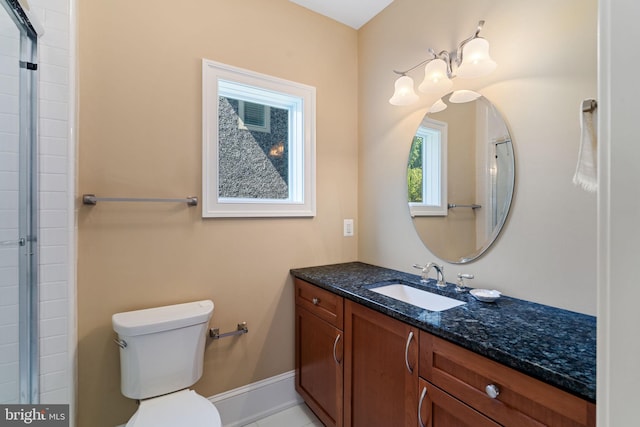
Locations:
{"points": [[418, 297]]}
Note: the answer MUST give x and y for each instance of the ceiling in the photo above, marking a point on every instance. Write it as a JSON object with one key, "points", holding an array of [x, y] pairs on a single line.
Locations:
{"points": [[354, 13]]}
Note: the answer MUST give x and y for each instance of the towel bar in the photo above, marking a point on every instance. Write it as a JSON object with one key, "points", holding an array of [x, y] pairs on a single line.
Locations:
{"points": [[454, 205], [91, 199]]}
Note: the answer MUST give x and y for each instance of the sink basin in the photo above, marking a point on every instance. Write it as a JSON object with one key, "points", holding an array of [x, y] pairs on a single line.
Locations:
{"points": [[417, 297]]}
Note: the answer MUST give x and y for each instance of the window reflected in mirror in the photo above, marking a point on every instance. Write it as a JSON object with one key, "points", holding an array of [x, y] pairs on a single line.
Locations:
{"points": [[427, 170]]}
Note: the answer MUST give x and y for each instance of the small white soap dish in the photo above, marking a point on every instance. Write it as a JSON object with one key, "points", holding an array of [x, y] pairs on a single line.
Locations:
{"points": [[485, 295]]}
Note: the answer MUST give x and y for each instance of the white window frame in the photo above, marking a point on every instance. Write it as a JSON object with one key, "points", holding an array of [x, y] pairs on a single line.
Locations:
{"points": [[434, 160], [224, 80]]}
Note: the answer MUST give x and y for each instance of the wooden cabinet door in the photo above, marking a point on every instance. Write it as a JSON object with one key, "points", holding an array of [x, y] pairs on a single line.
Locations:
{"points": [[381, 372], [319, 370], [439, 409]]}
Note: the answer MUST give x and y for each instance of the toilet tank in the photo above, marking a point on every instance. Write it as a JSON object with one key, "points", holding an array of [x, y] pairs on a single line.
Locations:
{"points": [[161, 348]]}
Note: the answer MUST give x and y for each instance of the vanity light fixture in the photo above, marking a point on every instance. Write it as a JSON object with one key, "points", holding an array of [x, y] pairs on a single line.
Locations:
{"points": [[470, 60]]}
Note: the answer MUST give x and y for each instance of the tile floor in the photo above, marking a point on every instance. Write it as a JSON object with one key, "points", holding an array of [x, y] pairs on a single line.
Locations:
{"points": [[296, 416]]}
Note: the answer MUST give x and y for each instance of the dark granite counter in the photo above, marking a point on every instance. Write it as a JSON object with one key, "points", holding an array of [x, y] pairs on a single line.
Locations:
{"points": [[553, 345]]}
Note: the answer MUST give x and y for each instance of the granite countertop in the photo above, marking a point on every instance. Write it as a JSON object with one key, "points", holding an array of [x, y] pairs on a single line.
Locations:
{"points": [[554, 345]]}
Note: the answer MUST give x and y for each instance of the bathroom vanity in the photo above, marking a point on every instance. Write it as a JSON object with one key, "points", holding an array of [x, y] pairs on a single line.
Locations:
{"points": [[365, 359]]}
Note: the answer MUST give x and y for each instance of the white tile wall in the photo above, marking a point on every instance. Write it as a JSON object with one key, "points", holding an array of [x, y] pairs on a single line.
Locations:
{"points": [[56, 161], [56, 213]]}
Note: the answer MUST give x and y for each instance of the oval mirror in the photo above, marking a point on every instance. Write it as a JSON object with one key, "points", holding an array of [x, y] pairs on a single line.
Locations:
{"points": [[460, 176]]}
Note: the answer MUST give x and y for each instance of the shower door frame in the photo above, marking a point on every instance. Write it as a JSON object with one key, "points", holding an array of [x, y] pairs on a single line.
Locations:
{"points": [[28, 295]]}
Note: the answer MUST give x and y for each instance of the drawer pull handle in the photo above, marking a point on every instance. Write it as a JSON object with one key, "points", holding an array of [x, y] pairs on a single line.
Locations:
{"points": [[492, 391], [406, 352], [422, 396], [335, 344], [315, 301]]}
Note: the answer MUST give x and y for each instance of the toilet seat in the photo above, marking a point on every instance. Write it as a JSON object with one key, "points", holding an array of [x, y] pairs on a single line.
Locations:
{"points": [[182, 408]]}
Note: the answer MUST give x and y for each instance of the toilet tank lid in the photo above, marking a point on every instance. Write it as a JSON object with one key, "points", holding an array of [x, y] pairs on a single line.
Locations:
{"points": [[157, 319]]}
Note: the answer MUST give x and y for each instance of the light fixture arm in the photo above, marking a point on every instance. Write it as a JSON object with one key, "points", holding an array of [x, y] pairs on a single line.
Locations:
{"points": [[463, 42], [404, 73], [446, 56]]}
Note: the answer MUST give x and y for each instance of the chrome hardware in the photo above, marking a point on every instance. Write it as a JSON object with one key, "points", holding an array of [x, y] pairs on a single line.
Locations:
{"points": [[120, 343], [422, 396], [242, 329], [406, 352], [335, 344], [315, 301], [473, 206], [589, 105], [20, 242], [461, 286], [439, 271], [492, 391], [91, 199]]}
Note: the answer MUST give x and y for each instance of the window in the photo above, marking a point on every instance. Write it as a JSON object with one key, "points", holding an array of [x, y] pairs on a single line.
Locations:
{"points": [[258, 144], [427, 170]]}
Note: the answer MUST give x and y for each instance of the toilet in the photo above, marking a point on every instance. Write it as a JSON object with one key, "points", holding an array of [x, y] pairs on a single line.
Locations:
{"points": [[161, 356]]}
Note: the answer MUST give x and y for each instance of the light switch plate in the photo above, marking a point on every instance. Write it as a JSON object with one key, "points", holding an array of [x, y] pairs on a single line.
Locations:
{"points": [[348, 228]]}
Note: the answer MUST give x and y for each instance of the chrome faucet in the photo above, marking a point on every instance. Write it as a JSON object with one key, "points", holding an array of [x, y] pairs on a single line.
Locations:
{"points": [[439, 272], [461, 286]]}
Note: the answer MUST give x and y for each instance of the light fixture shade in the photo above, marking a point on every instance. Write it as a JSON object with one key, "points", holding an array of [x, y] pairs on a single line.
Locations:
{"points": [[404, 93], [462, 96], [476, 61], [436, 79], [437, 106]]}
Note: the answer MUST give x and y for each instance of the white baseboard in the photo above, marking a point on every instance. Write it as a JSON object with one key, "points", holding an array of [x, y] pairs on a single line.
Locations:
{"points": [[254, 401]]}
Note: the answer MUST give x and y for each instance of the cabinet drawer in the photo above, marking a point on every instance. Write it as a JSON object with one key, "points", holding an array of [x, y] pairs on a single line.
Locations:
{"points": [[522, 400], [324, 304], [438, 409]]}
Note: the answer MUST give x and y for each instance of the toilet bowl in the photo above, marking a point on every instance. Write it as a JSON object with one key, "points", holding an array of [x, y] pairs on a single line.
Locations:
{"points": [[161, 355], [181, 408]]}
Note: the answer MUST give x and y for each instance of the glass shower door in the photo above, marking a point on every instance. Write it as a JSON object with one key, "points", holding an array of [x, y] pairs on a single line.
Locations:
{"points": [[502, 181], [18, 249]]}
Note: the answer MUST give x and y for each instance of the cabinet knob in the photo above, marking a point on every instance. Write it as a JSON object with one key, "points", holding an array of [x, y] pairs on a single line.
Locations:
{"points": [[315, 301], [492, 391]]}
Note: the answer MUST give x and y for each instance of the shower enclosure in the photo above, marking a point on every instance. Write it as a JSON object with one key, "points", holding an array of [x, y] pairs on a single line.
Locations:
{"points": [[18, 206]]}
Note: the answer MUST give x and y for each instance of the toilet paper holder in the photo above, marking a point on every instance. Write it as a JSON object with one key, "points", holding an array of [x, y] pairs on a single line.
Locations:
{"points": [[241, 330]]}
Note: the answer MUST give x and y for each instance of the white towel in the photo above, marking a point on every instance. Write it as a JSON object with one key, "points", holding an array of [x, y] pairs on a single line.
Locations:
{"points": [[586, 174]]}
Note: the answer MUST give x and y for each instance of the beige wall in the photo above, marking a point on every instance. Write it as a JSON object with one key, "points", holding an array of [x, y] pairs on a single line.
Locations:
{"points": [[140, 136], [547, 57]]}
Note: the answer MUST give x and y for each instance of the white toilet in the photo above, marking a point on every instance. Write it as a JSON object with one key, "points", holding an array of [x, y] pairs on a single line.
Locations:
{"points": [[161, 355]]}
